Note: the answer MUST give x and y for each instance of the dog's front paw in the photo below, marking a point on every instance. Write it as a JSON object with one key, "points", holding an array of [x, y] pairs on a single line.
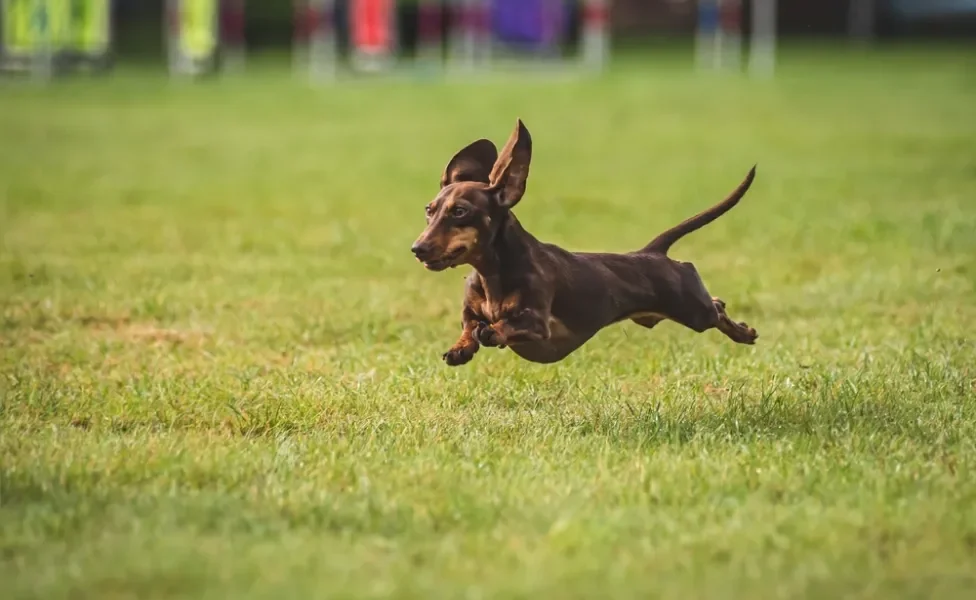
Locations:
{"points": [[488, 337], [459, 355]]}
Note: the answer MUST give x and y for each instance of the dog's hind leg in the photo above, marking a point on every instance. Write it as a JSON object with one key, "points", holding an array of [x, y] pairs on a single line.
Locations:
{"points": [[698, 310]]}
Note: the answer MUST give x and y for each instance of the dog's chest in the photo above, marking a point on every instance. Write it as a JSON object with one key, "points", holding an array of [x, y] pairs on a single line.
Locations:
{"points": [[498, 306], [560, 333], [561, 343]]}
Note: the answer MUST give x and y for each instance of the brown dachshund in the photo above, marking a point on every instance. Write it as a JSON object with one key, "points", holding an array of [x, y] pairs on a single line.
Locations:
{"points": [[538, 299]]}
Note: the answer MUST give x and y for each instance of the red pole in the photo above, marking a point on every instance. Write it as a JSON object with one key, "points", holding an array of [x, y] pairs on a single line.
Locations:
{"points": [[371, 22]]}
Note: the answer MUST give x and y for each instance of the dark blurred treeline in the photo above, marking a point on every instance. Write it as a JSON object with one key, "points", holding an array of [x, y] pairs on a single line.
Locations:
{"points": [[801, 18]]}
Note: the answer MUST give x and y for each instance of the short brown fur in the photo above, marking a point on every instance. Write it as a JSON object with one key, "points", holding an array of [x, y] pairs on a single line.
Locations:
{"points": [[536, 298]]}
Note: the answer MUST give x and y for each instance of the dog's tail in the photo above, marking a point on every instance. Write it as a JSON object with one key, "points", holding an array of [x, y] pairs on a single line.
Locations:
{"points": [[662, 243]]}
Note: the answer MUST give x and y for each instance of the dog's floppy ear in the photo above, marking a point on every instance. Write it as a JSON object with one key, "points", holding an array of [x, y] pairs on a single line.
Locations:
{"points": [[471, 163], [511, 170]]}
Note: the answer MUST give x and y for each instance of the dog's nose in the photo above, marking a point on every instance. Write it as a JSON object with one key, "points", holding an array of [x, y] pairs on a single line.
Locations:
{"points": [[421, 251]]}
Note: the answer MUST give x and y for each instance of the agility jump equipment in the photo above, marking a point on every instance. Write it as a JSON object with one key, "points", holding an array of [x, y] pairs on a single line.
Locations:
{"points": [[456, 36], [452, 35], [719, 39], [51, 37]]}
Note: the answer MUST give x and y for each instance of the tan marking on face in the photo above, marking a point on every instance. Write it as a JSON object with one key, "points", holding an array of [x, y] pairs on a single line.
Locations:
{"points": [[465, 237]]}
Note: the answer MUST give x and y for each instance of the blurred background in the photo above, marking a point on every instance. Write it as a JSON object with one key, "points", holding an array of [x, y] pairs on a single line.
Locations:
{"points": [[143, 29]]}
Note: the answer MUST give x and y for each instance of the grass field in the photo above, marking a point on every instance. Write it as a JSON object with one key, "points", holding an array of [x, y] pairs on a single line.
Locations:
{"points": [[221, 372]]}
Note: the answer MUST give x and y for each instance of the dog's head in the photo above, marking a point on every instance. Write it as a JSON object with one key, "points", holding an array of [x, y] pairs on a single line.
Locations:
{"points": [[478, 187]]}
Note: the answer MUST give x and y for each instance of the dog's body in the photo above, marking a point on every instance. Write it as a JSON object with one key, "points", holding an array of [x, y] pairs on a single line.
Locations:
{"points": [[541, 300]]}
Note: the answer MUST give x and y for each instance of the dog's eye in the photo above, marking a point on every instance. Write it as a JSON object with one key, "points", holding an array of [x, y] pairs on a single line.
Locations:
{"points": [[458, 212], [429, 210]]}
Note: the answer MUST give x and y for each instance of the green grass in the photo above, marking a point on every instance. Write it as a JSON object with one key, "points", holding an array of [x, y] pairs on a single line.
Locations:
{"points": [[220, 365]]}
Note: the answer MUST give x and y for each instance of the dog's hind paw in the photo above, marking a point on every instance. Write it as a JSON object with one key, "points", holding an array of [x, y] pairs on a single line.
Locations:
{"points": [[749, 334]]}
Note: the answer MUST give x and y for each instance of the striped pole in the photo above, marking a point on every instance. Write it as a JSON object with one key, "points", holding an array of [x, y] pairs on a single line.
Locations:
{"points": [[707, 34], [192, 35], [470, 37], [232, 32], [373, 34], [481, 21], [316, 43], [462, 37], [595, 40], [718, 40], [430, 37], [730, 26]]}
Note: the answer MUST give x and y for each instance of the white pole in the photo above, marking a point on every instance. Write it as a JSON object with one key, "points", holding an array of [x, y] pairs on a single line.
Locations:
{"points": [[173, 24], [596, 34], [323, 43], [728, 43], [707, 35], [464, 38], [762, 54]]}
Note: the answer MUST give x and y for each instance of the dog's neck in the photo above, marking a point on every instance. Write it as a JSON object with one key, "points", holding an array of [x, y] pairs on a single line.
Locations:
{"points": [[510, 245]]}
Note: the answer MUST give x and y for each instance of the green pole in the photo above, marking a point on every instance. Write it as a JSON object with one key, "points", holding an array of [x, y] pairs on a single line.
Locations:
{"points": [[91, 28], [17, 27], [200, 27], [41, 36]]}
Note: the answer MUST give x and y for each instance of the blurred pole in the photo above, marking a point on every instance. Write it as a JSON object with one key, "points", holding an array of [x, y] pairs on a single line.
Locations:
{"points": [[484, 37], [193, 36], [95, 40], [596, 34], [42, 61], [316, 45], [551, 31], [469, 39], [707, 35], [373, 26], [730, 26], [860, 20], [323, 43], [430, 36], [172, 26], [718, 41], [301, 32], [762, 53], [232, 34]]}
